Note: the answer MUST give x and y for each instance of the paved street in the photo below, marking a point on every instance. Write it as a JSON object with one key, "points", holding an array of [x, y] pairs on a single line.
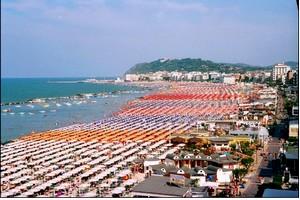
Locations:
{"points": [[263, 168]]}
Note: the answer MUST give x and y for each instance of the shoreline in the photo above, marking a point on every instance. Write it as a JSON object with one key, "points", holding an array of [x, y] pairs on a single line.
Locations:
{"points": [[144, 86], [79, 97]]}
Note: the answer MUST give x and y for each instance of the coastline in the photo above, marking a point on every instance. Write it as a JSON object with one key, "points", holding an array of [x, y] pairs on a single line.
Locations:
{"points": [[34, 109]]}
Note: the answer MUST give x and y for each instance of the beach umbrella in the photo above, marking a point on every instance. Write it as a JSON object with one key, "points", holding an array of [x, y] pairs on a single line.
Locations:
{"points": [[104, 185], [118, 190], [90, 194]]}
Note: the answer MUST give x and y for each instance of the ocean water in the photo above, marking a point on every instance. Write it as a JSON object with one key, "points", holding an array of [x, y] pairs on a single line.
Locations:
{"points": [[22, 89], [61, 108]]}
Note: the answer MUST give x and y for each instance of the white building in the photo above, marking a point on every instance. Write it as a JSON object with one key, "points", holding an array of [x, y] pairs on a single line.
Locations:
{"points": [[214, 75], [293, 128], [229, 79], [205, 76], [176, 76], [223, 176], [260, 133], [150, 162], [267, 74], [279, 72], [132, 77]]}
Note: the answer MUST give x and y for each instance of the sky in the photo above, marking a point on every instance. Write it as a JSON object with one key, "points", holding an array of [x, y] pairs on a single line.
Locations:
{"points": [[92, 38]]}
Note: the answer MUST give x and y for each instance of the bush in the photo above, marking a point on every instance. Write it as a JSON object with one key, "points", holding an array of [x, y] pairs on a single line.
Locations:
{"points": [[233, 146], [239, 173], [248, 152], [247, 162]]}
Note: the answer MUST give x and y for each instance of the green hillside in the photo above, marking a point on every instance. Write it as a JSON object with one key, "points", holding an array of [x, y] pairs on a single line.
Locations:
{"points": [[188, 65]]}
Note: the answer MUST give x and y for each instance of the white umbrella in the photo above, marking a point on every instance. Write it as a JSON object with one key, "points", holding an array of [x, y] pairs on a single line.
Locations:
{"points": [[104, 185], [118, 190], [84, 186], [90, 194], [130, 182], [63, 186]]}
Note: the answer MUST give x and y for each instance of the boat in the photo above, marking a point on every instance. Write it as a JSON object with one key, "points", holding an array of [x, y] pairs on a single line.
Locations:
{"points": [[38, 101], [58, 105], [42, 111], [6, 110], [30, 105], [68, 104]]}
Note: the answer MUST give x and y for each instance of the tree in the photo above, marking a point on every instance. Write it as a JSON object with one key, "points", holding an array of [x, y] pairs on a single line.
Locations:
{"points": [[233, 146], [279, 82], [194, 182], [239, 173], [247, 162]]}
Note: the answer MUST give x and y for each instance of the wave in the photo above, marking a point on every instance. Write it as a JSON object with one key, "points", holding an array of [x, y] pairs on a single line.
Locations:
{"points": [[82, 96]]}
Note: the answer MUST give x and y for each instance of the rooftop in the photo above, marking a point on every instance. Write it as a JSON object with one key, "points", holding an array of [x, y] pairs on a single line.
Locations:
{"points": [[222, 139], [269, 193], [158, 185]]}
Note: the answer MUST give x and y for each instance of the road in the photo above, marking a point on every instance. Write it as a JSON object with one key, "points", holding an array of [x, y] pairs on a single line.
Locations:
{"points": [[263, 168]]}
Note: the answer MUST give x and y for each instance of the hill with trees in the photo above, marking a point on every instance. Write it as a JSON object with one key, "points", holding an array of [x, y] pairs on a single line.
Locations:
{"points": [[189, 64]]}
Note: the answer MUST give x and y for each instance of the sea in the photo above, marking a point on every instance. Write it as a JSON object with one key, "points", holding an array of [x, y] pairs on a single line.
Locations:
{"points": [[39, 104]]}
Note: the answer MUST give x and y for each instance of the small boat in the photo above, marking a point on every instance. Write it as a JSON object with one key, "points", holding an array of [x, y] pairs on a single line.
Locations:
{"points": [[18, 106], [58, 105], [12, 113], [42, 111], [6, 110], [46, 105], [38, 100], [21, 113], [30, 113], [30, 105], [68, 104]]}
